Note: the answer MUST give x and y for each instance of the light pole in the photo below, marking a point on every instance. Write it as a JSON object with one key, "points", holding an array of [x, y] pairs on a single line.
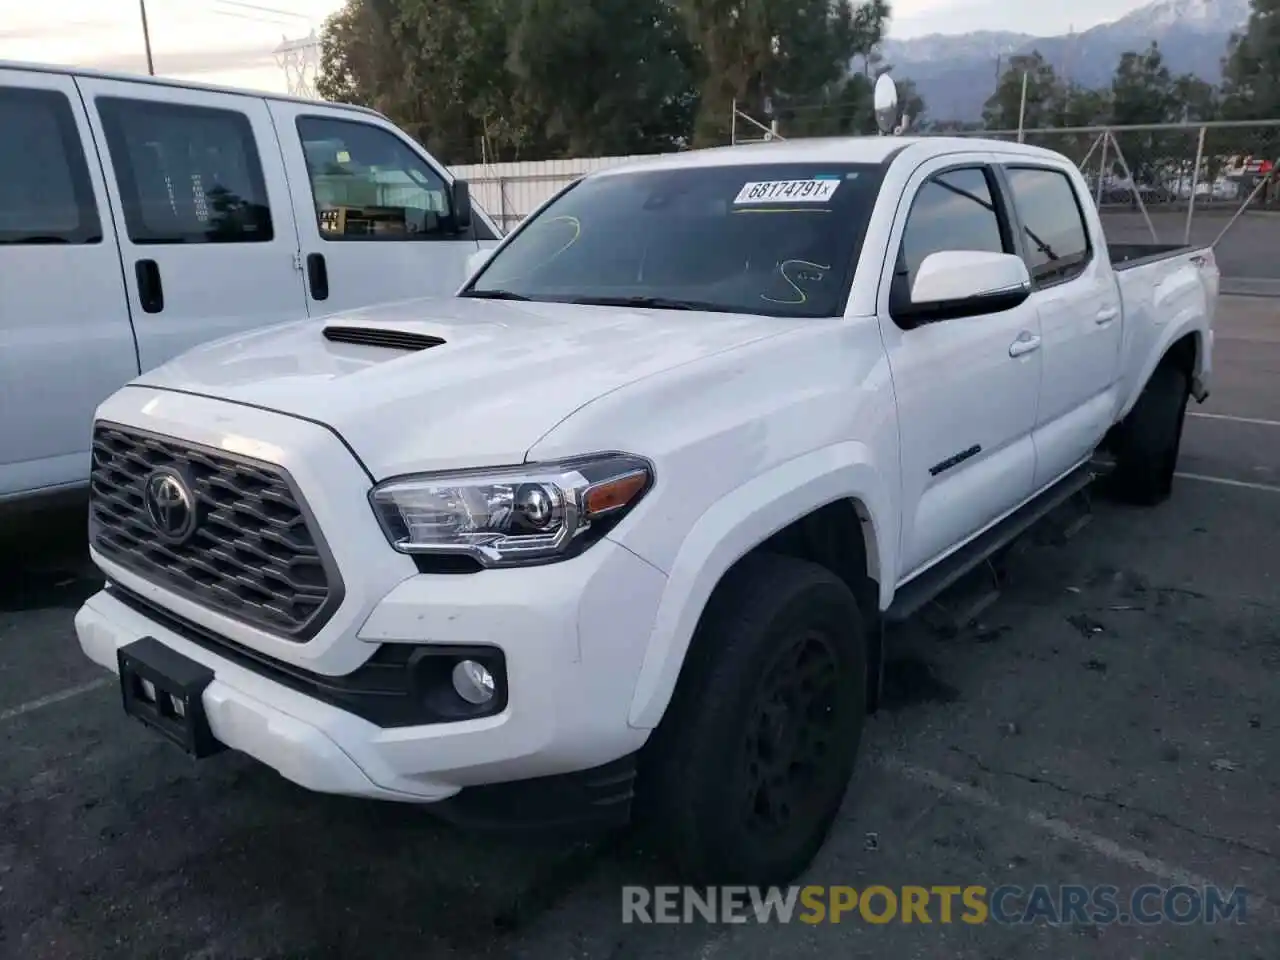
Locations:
{"points": [[146, 37]]}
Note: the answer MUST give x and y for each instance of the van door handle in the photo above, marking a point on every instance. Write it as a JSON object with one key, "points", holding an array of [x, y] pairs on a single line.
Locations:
{"points": [[318, 276], [1025, 343], [1107, 315], [150, 290]]}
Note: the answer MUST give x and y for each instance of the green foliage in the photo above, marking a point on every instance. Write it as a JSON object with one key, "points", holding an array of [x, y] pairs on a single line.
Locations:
{"points": [[1044, 95], [1251, 71], [1251, 84], [506, 79], [533, 79], [609, 76]]}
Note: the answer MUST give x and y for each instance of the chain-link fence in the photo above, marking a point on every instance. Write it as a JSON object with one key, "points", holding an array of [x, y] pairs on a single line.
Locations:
{"points": [[1211, 183], [1188, 182], [1160, 165]]}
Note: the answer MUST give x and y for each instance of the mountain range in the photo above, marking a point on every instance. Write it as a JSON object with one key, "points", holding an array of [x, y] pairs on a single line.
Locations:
{"points": [[955, 74]]}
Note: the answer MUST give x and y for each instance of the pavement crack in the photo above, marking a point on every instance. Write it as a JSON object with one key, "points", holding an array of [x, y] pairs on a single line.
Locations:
{"points": [[1111, 801]]}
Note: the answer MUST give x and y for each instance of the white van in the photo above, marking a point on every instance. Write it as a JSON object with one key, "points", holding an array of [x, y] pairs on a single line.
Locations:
{"points": [[141, 217]]}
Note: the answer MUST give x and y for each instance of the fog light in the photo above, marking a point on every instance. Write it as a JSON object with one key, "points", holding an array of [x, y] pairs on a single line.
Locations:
{"points": [[472, 682]]}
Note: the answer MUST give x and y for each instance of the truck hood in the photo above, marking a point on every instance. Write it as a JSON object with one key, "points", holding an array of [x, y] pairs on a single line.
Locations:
{"points": [[452, 383]]}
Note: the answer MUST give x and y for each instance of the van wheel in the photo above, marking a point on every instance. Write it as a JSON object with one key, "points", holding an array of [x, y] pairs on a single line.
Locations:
{"points": [[748, 768], [1149, 440]]}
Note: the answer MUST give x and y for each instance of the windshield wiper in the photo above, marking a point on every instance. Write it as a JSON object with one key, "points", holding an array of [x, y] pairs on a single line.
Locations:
{"points": [[656, 303], [494, 295]]}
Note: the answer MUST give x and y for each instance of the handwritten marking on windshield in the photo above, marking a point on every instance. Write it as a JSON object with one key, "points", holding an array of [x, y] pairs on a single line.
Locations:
{"points": [[782, 271]]}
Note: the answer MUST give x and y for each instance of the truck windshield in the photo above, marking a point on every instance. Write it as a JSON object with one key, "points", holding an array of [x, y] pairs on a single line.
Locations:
{"points": [[772, 239]]}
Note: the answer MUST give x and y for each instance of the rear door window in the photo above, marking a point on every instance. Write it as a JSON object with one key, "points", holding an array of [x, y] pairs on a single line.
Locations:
{"points": [[1055, 237], [45, 193], [187, 174]]}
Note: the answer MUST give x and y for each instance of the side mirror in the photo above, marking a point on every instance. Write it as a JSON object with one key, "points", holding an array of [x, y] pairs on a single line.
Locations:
{"points": [[478, 260], [965, 283], [460, 204], [885, 101]]}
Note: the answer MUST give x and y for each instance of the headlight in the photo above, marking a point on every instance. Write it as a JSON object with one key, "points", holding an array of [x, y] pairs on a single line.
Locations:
{"points": [[532, 513]]}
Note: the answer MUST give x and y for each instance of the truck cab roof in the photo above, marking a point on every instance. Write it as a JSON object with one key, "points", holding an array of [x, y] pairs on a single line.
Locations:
{"points": [[833, 149]]}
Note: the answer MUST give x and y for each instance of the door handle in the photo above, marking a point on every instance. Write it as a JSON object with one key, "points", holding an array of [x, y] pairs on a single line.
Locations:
{"points": [[150, 290], [318, 276], [1025, 343], [1107, 315]]}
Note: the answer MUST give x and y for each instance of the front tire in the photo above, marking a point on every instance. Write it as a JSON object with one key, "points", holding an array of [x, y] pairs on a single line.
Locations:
{"points": [[750, 764], [1150, 439]]}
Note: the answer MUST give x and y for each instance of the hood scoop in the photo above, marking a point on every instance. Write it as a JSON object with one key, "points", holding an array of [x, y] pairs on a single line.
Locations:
{"points": [[382, 337]]}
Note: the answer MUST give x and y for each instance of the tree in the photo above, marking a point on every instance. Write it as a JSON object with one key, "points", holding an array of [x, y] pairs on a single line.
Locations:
{"points": [[1251, 71], [911, 103], [1195, 99], [610, 76], [1251, 84], [766, 51], [358, 56], [1143, 92], [1043, 101], [429, 65]]}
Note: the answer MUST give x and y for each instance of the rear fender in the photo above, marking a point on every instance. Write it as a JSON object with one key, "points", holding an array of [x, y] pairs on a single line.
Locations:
{"points": [[1175, 331], [1178, 305]]}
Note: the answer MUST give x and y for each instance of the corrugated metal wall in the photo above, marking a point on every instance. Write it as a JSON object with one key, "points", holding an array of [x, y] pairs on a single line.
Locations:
{"points": [[509, 192]]}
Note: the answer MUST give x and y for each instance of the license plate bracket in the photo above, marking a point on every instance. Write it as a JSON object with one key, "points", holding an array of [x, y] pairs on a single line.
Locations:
{"points": [[164, 690]]}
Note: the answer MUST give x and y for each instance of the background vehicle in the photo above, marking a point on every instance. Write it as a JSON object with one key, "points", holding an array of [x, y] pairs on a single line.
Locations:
{"points": [[630, 512], [141, 217]]}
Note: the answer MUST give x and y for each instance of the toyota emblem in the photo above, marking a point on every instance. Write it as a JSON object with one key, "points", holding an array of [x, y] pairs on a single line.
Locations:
{"points": [[170, 505]]}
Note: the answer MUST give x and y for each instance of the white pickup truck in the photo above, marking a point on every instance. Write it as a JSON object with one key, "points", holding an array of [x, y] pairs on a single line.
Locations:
{"points": [[624, 519]]}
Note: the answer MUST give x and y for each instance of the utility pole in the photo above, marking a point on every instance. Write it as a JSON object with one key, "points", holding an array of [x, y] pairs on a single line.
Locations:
{"points": [[146, 37], [1022, 106]]}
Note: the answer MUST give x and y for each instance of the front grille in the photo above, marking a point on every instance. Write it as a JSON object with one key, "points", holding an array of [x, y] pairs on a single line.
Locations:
{"points": [[253, 553]]}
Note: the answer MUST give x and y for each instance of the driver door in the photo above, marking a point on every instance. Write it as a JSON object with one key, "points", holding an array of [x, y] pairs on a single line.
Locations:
{"points": [[966, 388], [373, 210]]}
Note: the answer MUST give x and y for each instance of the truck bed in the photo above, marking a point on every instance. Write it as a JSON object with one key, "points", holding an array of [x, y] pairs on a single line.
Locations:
{"points": [[1126, 256]]}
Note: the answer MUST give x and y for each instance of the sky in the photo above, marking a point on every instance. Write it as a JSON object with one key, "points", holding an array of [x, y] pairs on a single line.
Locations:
{"points": [[231, 42]]}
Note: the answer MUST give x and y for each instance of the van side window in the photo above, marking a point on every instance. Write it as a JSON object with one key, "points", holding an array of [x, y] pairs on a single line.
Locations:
{"points": [[1053, 228], [954, 210], [45, 192], [186, 174], [368, 185]]}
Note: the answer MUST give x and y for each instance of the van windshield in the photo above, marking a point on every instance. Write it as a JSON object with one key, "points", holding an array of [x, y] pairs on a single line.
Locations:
{"points": [[772, 239]]}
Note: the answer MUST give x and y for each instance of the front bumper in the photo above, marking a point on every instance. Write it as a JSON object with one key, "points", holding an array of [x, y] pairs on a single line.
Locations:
{"points": [[573, 636]]}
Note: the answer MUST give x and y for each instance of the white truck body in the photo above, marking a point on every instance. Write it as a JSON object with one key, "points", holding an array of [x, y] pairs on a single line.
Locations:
{"points": [[115, 254], [912, 439]]}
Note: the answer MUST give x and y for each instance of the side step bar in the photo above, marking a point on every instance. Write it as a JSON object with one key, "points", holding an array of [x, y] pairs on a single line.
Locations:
{"points": [[938, 578]]}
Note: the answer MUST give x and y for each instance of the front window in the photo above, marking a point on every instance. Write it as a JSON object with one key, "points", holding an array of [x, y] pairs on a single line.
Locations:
{"points": [[772, 239]]}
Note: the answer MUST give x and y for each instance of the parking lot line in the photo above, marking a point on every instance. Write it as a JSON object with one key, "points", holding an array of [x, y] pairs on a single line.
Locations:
{"points": [[53, 698], [1268, 487], [1222, 416], [1102, 846]]}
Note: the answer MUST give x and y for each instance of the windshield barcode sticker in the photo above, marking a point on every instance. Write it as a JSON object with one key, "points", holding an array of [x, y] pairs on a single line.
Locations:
{"points": [[815, 190]]}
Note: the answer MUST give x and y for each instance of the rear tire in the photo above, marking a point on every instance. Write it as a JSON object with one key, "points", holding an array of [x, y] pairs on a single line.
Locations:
{"points": [[748, 768], [1150, 438]]}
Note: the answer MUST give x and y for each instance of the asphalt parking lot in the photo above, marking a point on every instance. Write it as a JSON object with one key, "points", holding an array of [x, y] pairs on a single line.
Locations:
{"points": [[1113, 718]]}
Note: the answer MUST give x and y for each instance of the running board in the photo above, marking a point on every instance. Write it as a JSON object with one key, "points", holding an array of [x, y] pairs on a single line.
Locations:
{"points": [[924, 588]]}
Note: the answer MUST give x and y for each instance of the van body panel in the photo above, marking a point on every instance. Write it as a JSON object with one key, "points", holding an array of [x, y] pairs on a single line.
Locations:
{"points": [[66, 343]]}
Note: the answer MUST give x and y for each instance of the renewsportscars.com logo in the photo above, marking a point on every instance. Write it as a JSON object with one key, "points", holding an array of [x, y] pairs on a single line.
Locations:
{"points": [[975, 904]]}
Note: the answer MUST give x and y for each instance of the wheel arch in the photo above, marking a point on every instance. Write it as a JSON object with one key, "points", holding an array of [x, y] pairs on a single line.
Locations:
{"points": [[832, 507], [1183, 348]]}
